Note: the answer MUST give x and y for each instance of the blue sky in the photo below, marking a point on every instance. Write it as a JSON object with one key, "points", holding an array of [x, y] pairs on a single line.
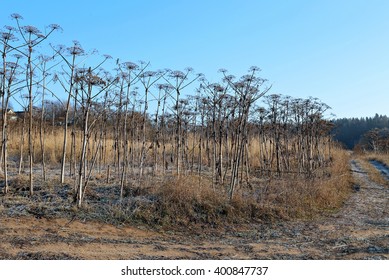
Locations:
{"points": [[337, 51]]}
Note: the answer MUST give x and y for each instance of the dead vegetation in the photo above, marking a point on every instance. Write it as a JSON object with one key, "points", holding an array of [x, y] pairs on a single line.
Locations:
{"points": [[365, 161], [144, 124], [358, 230], [140, 147], [186, 201]]}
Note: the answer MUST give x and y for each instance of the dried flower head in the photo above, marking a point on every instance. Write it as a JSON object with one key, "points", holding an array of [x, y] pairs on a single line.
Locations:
{"points": [[161, 86], [16, 16], [229, 78], [239, 85], [76, 49], [31, 29], [254, 69], [54, 26], [253, 90], [10, 28], [217, 88], [130, 65], [148, 74], [6, 37], [248, 78], [177, 74], [123, 75], [165, 87], [203, 80]]}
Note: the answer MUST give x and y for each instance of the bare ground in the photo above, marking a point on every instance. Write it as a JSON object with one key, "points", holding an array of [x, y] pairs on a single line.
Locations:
{"points": [[359, 230]]}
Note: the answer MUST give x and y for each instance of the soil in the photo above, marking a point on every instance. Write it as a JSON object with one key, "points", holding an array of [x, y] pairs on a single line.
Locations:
{"points": [[359, 230]]}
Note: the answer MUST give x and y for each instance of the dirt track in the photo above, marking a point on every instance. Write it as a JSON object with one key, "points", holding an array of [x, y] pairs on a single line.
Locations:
{"points": [[360, 230]]}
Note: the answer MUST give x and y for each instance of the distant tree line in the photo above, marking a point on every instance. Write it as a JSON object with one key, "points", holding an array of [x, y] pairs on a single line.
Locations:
{"points": [[354, 131]]}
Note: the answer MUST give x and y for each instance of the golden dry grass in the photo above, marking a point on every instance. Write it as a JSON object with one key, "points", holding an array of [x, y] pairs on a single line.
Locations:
{"points": [[184, 200], [189, 200], [375, 175], [53, 144], [296, 196]]}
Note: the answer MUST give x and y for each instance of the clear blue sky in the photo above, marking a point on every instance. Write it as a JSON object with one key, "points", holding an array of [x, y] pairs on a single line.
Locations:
{"points": [[336, 50]]}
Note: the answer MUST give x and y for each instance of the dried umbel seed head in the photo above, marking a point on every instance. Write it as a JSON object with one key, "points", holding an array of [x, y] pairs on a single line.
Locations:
{"points": [[55, 27], [247, 79], [203, 80], [130, 66], [252, 90], [6, 37], [76, 50], [162, 86], [217, 88], [148, 74], [165, 87], [123, 75], [239, 85], [177, 74], [16, 16], [254, 69], [10, 28], [200, 75], [229, 78], [31, 30]]}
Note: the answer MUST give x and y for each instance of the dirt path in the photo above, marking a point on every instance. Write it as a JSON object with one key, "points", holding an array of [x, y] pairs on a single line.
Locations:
{"points": [[360, 230]]}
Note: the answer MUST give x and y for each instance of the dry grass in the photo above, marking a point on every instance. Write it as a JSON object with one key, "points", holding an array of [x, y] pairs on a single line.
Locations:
{"points": [[53, 146], [298, 197], [375, 175], [190, 200], [182, 201]]}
